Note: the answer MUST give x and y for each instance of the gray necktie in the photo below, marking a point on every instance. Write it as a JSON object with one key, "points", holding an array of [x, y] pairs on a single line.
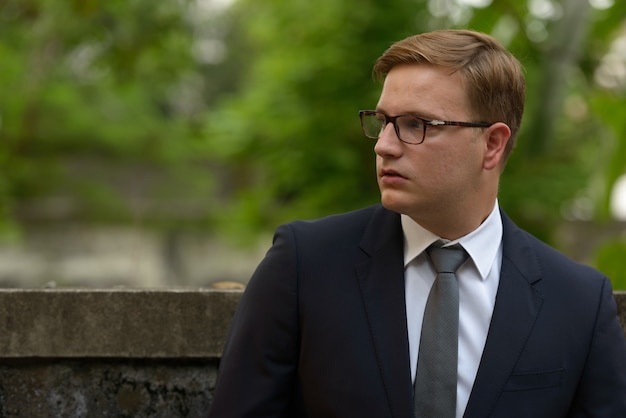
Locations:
{"points": [[436, 377]]}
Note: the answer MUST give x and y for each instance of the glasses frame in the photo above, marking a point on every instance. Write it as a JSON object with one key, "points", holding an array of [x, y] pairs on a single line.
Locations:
{"points": [[426, 122]]}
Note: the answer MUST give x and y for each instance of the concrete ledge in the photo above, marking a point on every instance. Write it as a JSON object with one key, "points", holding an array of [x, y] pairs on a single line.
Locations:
{"points": [[172, 323], [148, 324]]}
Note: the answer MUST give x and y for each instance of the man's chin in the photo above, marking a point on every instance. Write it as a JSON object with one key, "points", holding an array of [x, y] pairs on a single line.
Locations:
{"points": [[391, 203]]}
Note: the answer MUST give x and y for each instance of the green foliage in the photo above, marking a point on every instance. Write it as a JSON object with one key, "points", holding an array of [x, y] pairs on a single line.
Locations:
{"points": [[268, 131], [292, 131], [115, 81], [612, 148], [609, 259]]}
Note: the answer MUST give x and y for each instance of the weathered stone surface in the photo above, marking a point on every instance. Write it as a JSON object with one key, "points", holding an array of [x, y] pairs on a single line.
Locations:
{"points": [[187, 323], [111, 353], [106, 388]]}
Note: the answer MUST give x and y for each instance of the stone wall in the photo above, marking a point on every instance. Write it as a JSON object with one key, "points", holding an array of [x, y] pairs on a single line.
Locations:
{"points": [[115, 353], [111, 353], [95, 387]]}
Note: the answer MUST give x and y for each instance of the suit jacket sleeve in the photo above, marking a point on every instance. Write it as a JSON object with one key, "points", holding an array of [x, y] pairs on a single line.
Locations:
{"points": [[257, 371], [602, 388]]}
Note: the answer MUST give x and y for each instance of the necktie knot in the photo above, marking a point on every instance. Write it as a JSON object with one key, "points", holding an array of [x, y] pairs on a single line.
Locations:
{"points": [[447, 259]]}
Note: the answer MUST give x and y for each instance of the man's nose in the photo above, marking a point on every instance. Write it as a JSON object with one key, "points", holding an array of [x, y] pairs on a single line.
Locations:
{"points": [[388, 142]]}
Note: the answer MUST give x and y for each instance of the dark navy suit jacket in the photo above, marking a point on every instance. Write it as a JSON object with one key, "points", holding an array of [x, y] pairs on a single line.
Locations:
{"points": [[321, 331]]}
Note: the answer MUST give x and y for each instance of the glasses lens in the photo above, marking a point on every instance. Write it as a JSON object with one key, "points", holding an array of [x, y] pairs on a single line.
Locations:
{"points": [[373, 124], [411, 129]]}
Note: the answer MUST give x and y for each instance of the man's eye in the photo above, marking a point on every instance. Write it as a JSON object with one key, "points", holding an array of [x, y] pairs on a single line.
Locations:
{"points": [[413, 123]]}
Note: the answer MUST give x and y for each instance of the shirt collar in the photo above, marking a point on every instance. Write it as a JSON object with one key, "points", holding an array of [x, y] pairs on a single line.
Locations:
{"points": [[416, 238], [482, 244]]}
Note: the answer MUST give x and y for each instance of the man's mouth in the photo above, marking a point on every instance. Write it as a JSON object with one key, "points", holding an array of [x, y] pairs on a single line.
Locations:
{"points": [[390, 173]]}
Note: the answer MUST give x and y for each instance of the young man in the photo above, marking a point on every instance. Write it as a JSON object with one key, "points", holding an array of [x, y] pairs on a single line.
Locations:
{"points": [[331, 322]]}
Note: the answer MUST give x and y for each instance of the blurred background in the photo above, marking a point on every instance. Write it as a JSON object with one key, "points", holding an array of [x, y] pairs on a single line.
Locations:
{"points": [[147, 144]]}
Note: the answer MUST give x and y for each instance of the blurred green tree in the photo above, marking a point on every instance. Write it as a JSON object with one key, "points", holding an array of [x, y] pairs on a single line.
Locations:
{"points": [[253, 109], [101, 86], [609, 259], [291, 131]]}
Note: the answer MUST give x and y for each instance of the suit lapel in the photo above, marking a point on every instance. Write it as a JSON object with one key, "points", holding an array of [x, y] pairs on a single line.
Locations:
{"points": [[381, 280], [517, 305]]}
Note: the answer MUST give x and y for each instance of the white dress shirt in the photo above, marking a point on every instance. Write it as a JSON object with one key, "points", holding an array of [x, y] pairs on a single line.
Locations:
{"points": [[478, 284]]}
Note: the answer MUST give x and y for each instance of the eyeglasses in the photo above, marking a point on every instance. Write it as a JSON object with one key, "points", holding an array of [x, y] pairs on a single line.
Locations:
{"points": [[409, 128]]}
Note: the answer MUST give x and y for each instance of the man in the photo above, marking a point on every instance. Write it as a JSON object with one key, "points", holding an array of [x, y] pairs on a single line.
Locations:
{"points": [[331, 322]]}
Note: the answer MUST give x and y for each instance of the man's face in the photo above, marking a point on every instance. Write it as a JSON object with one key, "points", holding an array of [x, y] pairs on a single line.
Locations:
{"points": [[440, 178]]}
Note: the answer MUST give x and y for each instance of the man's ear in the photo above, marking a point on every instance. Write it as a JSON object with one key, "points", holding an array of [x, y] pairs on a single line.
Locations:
{"points": [[498, 136]]}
